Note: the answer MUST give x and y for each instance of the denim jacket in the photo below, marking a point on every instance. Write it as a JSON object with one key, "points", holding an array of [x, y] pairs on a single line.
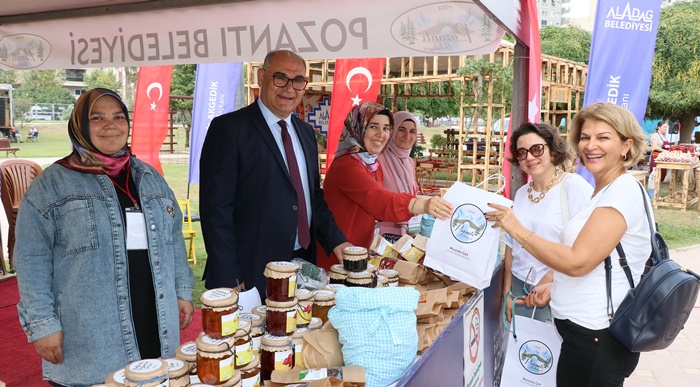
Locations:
{"points": [[72, 269]]}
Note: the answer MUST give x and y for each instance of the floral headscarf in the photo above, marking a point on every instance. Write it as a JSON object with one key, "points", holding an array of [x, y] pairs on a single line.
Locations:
{"points": [[85, 157], [353, 136]]}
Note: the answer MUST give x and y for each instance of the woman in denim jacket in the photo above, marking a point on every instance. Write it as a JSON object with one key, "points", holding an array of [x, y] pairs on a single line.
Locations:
{"points": [[101, 262]]}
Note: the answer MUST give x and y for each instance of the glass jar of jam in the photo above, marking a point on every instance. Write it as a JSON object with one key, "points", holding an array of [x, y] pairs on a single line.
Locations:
{"points": [[362, 278], [250, 374], [260, 310], [281, 281], [337, 274], [243, 344], [235, 381], [323, 302], [392, 277], [334, 287], [373, 270], [188, 353], [277, 353], [387, 263], [219, 312], [315, 324], [257, 330], [215, 359], [116, 378], [355, 258], [179, 373], [305, 299], [381, 281], [146, 373], [281, 317], [298, 342]]}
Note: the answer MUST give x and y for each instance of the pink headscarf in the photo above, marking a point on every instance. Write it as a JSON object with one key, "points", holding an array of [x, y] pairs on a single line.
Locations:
{"points": [[399, 169]]}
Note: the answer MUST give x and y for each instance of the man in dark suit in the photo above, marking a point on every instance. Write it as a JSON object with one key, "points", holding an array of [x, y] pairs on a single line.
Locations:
{"points": [[251, 201]]}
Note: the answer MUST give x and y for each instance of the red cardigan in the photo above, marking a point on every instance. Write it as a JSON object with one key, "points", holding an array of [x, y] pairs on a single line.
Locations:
{"points": [[357, 199]]}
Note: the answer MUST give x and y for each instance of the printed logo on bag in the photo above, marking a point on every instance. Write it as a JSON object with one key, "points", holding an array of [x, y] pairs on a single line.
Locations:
{"points": [[676, 326], [468, 223], [536, 357], [24, 51]]}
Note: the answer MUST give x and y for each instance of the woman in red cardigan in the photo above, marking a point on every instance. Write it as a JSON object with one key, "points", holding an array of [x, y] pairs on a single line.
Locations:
{"points": [[353, 187]]}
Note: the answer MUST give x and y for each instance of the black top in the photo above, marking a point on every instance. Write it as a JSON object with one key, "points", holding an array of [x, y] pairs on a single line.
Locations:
{"points": [[141, 289]]}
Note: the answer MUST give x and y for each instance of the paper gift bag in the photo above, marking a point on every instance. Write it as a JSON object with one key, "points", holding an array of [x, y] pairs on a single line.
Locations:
{"points": [[465, 246], [532, 359]]}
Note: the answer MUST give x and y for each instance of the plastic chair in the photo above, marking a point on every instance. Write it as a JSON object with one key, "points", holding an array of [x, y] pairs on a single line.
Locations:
{"points": [[17, 175], [187, 231]]}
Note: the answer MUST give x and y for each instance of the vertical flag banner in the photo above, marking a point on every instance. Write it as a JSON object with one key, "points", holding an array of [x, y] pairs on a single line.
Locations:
{"points": [[356, 81], [622, 52], [151, 108], [534, 85], [215, 91]]}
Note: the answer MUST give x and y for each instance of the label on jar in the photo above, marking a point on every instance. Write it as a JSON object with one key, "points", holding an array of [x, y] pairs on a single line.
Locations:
{"points": [[256, 341], [253, 381], [119, 376], [292, 289], [175, 364], [291, 321], [284, 360], [317, 374], [229, 324], [303, 314], [216, 294], [298, 358], [392, 283], [211, 340], [226, 369], [189, 349], [244, 354], [144, 366]]}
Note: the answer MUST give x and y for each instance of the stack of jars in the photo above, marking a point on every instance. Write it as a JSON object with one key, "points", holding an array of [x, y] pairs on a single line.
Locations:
{"points": [[277, 349], [358, 273]]}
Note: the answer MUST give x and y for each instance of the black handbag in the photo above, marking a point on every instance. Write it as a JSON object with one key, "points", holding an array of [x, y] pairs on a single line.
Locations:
{"points": [[653, 313]]}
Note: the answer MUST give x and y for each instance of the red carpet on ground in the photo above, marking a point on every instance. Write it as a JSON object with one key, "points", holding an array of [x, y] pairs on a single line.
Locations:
{"points": [[21, 366]]}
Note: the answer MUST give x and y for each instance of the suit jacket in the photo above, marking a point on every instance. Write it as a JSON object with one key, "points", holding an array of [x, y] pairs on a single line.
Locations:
{"points": [[248, 204]]}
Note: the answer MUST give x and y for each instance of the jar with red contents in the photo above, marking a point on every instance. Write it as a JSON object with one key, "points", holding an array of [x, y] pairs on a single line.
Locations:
{"points": [[337, 274], [355, 258], [387, 263], [281, 317], [281, 284], [219, 312], [251, 374], [298, 342], [277, 354], [215, 359], [257, 329], [243, 344]]}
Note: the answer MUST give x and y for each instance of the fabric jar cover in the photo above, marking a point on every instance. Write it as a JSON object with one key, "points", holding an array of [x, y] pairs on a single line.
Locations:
{"points": [[377, 330]]}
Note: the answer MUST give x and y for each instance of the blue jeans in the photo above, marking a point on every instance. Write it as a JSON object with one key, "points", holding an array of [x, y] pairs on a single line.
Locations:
{"points": [[541, 314]]}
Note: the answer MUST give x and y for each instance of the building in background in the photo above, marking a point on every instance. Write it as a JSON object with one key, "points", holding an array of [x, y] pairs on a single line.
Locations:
{"points": [[75, 82], [551, 12]]}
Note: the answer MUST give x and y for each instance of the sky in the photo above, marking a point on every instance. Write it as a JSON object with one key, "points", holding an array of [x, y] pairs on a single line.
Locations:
{"points": [[580, 8]]}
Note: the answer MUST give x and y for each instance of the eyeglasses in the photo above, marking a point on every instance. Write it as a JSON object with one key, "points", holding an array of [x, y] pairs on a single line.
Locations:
{"points": [[536, 150], [280, 80], [529, 282]]}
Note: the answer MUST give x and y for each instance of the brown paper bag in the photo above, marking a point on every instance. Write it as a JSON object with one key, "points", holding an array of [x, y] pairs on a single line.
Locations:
{"points": [[352, 375], [409, 272], [403, 244], [322, 348], [431, 302], [382, 247]]}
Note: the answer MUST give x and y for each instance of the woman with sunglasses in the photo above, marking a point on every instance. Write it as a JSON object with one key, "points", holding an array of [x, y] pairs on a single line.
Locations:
{"points": [[541, 152], [609, 141]]}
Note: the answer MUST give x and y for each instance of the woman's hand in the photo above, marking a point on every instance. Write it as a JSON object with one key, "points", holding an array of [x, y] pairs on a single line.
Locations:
{"points": [[539, 297], [436, 206], [509, 307], [504, 217], [186, 313], [50, 348]]}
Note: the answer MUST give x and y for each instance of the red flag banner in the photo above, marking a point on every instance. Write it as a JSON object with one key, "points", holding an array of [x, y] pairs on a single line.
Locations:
{"points": [[355, 81], [151, 107], [534, 85]]}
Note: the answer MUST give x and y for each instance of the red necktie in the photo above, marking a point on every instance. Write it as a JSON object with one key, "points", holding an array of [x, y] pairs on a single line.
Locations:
{"points": [[302, 222]]}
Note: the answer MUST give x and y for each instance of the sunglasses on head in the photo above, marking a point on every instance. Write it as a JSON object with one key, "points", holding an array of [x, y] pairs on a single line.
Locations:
{"points": [[536, 150]]}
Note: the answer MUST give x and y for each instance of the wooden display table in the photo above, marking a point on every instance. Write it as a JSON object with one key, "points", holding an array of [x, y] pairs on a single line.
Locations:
{"points": [[671, 200]]}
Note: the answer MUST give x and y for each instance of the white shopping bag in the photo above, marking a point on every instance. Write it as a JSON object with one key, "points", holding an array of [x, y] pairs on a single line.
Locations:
{"points": [[532, 359], [248, 299], [465, 246]]}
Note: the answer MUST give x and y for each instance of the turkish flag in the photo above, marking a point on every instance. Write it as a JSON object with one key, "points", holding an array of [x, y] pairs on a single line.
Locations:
{"points": [[151, 108], [534, 84], [355, 81]]}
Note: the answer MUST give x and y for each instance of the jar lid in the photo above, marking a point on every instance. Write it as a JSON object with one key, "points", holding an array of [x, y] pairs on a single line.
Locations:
{"points": [[339, 268], [116, 377], [177, 368], [281, 304], [381, 279], [334, 287], [355, 253], [219, 298], [304, 294], [254, 319], [260, 310], [209, 344], [389, 273], [315, 323], [233, 382], [299, 333], [371, 268], [324, 295], [359, 275], [146, 370], [281, 267], [254, 362], [276, 341], [243, 329], [187, 352]]}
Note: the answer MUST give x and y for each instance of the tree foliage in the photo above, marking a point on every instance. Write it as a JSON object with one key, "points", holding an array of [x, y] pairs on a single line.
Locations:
{"points": [[44, 86], [675, 78], [572, 43], [182, 83], [103, 78], [438, 141], [8, 77]]}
